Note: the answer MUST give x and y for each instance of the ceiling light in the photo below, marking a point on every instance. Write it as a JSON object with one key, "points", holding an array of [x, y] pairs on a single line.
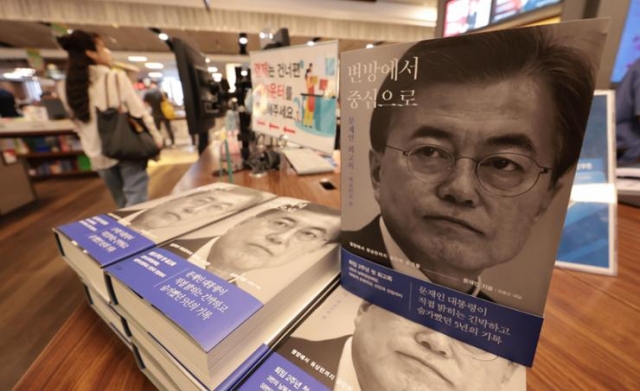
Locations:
{"points": [[217, 77], [163, 36], [212, 69], [370, 46], [155, 75], [207, 60], [154, 65], [137, 58]]}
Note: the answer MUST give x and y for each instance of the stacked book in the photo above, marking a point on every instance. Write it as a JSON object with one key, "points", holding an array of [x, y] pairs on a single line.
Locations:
{"points": [[202, 284]]}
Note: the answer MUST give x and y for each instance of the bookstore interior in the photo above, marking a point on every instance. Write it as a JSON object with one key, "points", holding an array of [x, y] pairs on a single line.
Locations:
{"points": [[244, 196]]}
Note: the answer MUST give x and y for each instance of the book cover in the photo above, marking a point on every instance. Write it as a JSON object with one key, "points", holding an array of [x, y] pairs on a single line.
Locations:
{"points": [[108, 314], [347, 343], [588, 239], [458, 160], [240, 280], [93, 243]]}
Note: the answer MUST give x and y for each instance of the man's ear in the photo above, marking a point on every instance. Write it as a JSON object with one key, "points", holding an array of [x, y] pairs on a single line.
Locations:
{"points": [[364, 307], [375, 164], [549, 197]]}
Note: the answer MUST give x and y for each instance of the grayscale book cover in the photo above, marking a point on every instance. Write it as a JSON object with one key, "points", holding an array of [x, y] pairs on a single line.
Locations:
{"points": [[458, 157], [349, 344]]}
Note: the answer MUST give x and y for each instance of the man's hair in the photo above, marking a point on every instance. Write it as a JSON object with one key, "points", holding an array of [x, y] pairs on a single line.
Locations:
{"points": [[494, 56], [307, 207], [254, 195]]}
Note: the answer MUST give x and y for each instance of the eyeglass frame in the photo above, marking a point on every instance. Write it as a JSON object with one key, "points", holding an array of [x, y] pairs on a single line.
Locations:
{"points": [[408, 153]]}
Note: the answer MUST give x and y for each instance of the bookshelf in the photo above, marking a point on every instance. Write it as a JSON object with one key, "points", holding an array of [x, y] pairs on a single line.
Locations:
{"points": [[49, 148]]}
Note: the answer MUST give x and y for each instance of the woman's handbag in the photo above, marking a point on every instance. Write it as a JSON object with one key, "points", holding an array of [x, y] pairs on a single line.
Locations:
{"points": [[167, 108], [123, 136]]}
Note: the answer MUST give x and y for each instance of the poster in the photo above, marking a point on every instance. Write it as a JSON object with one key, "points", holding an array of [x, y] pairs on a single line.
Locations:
{"points": [[295, 94]]}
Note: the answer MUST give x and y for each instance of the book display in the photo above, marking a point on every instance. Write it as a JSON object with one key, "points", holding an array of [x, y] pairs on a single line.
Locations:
{"points": [[216, 297], [91, 244], [589, 236], [458, 161], [51, 148]]}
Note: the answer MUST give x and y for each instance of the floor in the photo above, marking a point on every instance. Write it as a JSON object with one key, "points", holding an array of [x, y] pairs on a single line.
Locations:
{"points": [[39, 291]]}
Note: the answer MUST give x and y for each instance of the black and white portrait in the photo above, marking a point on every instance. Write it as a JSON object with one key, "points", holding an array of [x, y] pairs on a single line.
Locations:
{"points": [[351, 345], [262, 249], [174, 215], [470, 151]]}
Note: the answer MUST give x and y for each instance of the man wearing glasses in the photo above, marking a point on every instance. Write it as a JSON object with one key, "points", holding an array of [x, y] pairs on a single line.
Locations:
{"points": [[462, 176]]}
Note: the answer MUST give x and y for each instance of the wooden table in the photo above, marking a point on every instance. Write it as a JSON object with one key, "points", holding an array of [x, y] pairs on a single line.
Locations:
{"points": [[589, 339]]}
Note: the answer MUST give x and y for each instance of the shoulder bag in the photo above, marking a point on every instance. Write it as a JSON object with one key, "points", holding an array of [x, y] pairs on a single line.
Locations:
{"points": [[123, 136]]}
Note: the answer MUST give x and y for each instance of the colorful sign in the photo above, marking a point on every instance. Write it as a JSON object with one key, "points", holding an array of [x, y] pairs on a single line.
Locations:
{"points": [[295, 93]]}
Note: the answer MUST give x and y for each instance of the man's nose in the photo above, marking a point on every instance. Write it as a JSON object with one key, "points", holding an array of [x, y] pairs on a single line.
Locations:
{"points": [[460, 184], [195, 209], [435, 342], [280, 237]]}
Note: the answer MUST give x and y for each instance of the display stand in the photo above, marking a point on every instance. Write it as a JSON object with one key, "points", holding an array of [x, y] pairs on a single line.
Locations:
{"points": [[589, 236]]}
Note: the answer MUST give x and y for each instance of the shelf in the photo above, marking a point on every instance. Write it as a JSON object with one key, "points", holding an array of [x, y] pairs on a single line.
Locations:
{"points": [[44, 155], [65, 174]]}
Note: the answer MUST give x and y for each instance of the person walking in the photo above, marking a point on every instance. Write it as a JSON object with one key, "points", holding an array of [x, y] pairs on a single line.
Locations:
{"points": [[90, 80]]}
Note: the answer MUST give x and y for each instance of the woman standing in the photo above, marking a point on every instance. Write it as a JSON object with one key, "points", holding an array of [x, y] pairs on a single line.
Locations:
{"points": [[90, 80]]}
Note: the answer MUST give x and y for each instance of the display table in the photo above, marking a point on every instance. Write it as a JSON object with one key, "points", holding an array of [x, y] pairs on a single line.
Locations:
{"points": [[589, 338]]}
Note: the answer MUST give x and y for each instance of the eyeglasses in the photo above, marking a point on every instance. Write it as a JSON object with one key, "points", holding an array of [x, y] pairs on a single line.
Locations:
{"points": [[502, 174]]}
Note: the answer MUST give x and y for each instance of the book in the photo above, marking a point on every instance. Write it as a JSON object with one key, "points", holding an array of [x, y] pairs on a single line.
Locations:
{"points": [[347, 343], [456, 173], [108, 314], [91, 244], [588, 240], [216, 297], [180, 376], [150, 368], [152, 354]]}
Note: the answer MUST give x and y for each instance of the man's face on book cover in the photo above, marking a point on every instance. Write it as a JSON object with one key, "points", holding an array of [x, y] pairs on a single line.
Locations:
{"points": [[274, 239], [496, 137], [198, 206], [392, 353]]}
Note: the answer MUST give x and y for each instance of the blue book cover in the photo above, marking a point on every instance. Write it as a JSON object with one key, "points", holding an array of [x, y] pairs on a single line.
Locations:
{"points": [[222, 280], [99, 241], [588, 238]]}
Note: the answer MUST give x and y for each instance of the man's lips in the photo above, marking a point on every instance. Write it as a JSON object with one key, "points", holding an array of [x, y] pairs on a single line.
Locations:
{"points": [[261, 248], [454, 220], [427, 365]]}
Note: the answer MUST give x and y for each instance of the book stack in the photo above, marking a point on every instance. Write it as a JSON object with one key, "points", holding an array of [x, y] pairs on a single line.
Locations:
{"points": [[202, 284]]}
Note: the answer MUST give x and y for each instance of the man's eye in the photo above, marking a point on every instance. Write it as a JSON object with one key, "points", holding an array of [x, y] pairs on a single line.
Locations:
{"points": [[309, 235], [430, 153], [279, 223], [502, 164]]}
